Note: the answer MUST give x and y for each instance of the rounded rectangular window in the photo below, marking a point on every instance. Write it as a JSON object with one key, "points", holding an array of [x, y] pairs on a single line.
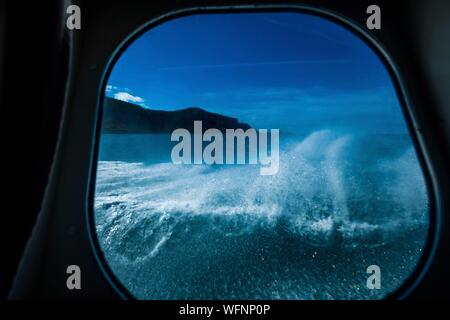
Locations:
{"points": [[258, 155]]}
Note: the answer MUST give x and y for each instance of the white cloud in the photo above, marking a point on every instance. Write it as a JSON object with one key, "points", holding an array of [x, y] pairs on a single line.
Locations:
{"points": [[127, 97], [110, 88], [124, 94]]}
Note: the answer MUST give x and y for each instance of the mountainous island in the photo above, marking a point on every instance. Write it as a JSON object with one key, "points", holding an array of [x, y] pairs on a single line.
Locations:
{"points": [[124, 117]]}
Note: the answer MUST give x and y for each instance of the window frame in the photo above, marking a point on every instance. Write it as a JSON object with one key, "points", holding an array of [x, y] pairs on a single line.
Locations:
{"points": [[434, 212]]}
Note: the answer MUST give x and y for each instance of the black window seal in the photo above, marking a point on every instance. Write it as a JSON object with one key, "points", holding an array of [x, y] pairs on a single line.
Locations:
{"points": [[434, 227]]}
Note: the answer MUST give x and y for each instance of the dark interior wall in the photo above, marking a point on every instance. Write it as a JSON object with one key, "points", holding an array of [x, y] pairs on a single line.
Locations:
{"points": [[2, 38], [35, 72], [425, 30], [430, 23], [33, 85]]}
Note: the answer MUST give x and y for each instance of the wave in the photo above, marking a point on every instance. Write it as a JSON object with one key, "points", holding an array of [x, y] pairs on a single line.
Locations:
{"points": [[324, 192]]}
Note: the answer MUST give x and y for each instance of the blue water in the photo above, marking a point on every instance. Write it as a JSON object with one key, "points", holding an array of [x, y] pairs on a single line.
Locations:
{"points": [[339, 203]]}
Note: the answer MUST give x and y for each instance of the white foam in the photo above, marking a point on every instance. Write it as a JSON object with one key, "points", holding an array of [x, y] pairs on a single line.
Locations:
{"points": [[310, 194]]}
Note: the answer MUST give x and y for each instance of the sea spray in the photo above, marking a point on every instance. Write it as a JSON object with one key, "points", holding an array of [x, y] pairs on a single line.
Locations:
{"points": [[336, 205]]}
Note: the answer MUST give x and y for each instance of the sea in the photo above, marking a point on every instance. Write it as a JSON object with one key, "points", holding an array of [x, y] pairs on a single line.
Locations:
{"points": [[340, 202]]}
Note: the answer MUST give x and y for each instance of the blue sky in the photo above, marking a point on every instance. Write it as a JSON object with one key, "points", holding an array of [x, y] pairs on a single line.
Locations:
{"points": [[271, 70]]}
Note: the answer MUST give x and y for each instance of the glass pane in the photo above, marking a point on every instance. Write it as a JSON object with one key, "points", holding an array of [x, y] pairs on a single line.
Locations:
{"points": [[184, 210]]}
